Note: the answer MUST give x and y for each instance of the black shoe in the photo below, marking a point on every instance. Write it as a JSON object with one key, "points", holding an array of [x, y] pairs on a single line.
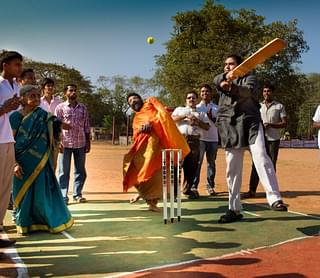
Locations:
{"points": [[248, 195], [6, 243], [230, 216], [80, 199], [279, 206], [195, 192], [193, 196], [211, 192]]}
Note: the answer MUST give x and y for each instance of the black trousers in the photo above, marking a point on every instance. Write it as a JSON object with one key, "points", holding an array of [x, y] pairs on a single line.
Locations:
{"points": [[272, 148], [190, 163]]}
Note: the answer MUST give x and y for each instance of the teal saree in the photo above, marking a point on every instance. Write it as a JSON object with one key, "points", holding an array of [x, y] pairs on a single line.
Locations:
{"points": [[37, 197]]}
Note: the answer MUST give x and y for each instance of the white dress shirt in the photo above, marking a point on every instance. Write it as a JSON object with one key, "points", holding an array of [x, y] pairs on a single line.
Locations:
{"points": [[6, 91], [50, 107]]}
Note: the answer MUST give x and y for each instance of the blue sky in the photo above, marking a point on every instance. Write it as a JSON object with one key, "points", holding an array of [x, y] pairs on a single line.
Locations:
{"points": [[108, 37]]}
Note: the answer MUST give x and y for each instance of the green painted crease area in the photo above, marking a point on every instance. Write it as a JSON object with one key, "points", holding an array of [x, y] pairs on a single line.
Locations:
{"points": [[111, 237]]}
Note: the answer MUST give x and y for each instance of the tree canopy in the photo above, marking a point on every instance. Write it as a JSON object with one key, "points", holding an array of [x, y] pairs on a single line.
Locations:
{"points": [[201, 40], [61, 74]]}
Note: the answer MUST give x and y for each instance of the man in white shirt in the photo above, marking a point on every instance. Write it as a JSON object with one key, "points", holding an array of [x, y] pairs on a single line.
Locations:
{"points": [[316, 122], [190, 123], [208, 140], [11, 68], [274, 118], [27, 77], [49, 101]]}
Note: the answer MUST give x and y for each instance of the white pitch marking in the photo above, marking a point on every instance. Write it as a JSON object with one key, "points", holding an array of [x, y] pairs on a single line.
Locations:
{"points": [[67, 235], [304, 214], [22, 270], [251, 213], [290, 211]]}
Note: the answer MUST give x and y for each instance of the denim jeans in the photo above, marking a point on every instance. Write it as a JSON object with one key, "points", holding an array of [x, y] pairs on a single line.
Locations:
{"points": [[79, 157], [210, 149]]}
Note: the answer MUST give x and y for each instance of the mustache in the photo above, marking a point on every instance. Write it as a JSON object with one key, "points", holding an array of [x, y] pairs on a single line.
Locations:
{"points": [[135, 106]]}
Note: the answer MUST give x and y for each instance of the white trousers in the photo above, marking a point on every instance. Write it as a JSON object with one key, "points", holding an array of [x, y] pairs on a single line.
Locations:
{"points": [[6, 175], [264, 167]]}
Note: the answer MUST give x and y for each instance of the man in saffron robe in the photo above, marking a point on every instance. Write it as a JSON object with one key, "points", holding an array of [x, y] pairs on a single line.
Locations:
{"points": [[153, 130]]}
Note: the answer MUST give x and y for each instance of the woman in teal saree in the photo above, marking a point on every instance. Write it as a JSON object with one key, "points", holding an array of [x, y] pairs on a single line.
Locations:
{"points": [[36, 192]]}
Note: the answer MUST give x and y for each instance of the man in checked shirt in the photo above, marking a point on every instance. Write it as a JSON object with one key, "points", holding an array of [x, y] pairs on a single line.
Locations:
{"points": [[75, 141]]}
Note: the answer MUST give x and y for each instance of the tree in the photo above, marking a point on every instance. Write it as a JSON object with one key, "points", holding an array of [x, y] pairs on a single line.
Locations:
{"points": [[308, 108], [113, 92], [202, 39], [61, 74]]}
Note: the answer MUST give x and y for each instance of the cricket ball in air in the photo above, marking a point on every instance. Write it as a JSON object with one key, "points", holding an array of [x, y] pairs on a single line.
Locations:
{"points": [[150, 40]]}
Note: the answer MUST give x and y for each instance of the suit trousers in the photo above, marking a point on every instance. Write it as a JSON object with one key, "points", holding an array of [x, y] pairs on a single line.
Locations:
{"points": [[272, 150]]}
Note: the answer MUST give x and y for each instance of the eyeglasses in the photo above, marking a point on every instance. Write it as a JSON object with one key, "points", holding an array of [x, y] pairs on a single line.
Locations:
{"points": [[191, 98]]}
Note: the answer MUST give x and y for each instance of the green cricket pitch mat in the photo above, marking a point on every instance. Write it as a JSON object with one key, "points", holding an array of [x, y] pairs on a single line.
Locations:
{"points": [[111, 238]]}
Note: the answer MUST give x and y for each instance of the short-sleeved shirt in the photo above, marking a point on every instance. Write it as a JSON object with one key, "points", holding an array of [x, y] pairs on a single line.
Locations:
{"points": [[316, 118], [50, 107], [210, 135], [6, 91], [272, 114], [184, 125], [77, 117]]}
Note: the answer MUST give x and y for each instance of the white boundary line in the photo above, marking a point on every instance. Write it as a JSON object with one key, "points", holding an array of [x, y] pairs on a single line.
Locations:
{"points": [[21, 268], [241, 252], [12, 253]]}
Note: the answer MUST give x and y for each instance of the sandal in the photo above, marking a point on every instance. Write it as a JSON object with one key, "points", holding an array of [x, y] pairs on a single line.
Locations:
{"points": [[230, 216], [135, 199], [279, 206]]}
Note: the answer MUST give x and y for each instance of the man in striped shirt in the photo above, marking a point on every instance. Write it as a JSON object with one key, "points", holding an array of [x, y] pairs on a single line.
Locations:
{"points": [[75, 141]]}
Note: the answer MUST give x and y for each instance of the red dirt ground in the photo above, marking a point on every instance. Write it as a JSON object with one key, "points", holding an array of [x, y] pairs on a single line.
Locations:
{"points": [[274, 262]]}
